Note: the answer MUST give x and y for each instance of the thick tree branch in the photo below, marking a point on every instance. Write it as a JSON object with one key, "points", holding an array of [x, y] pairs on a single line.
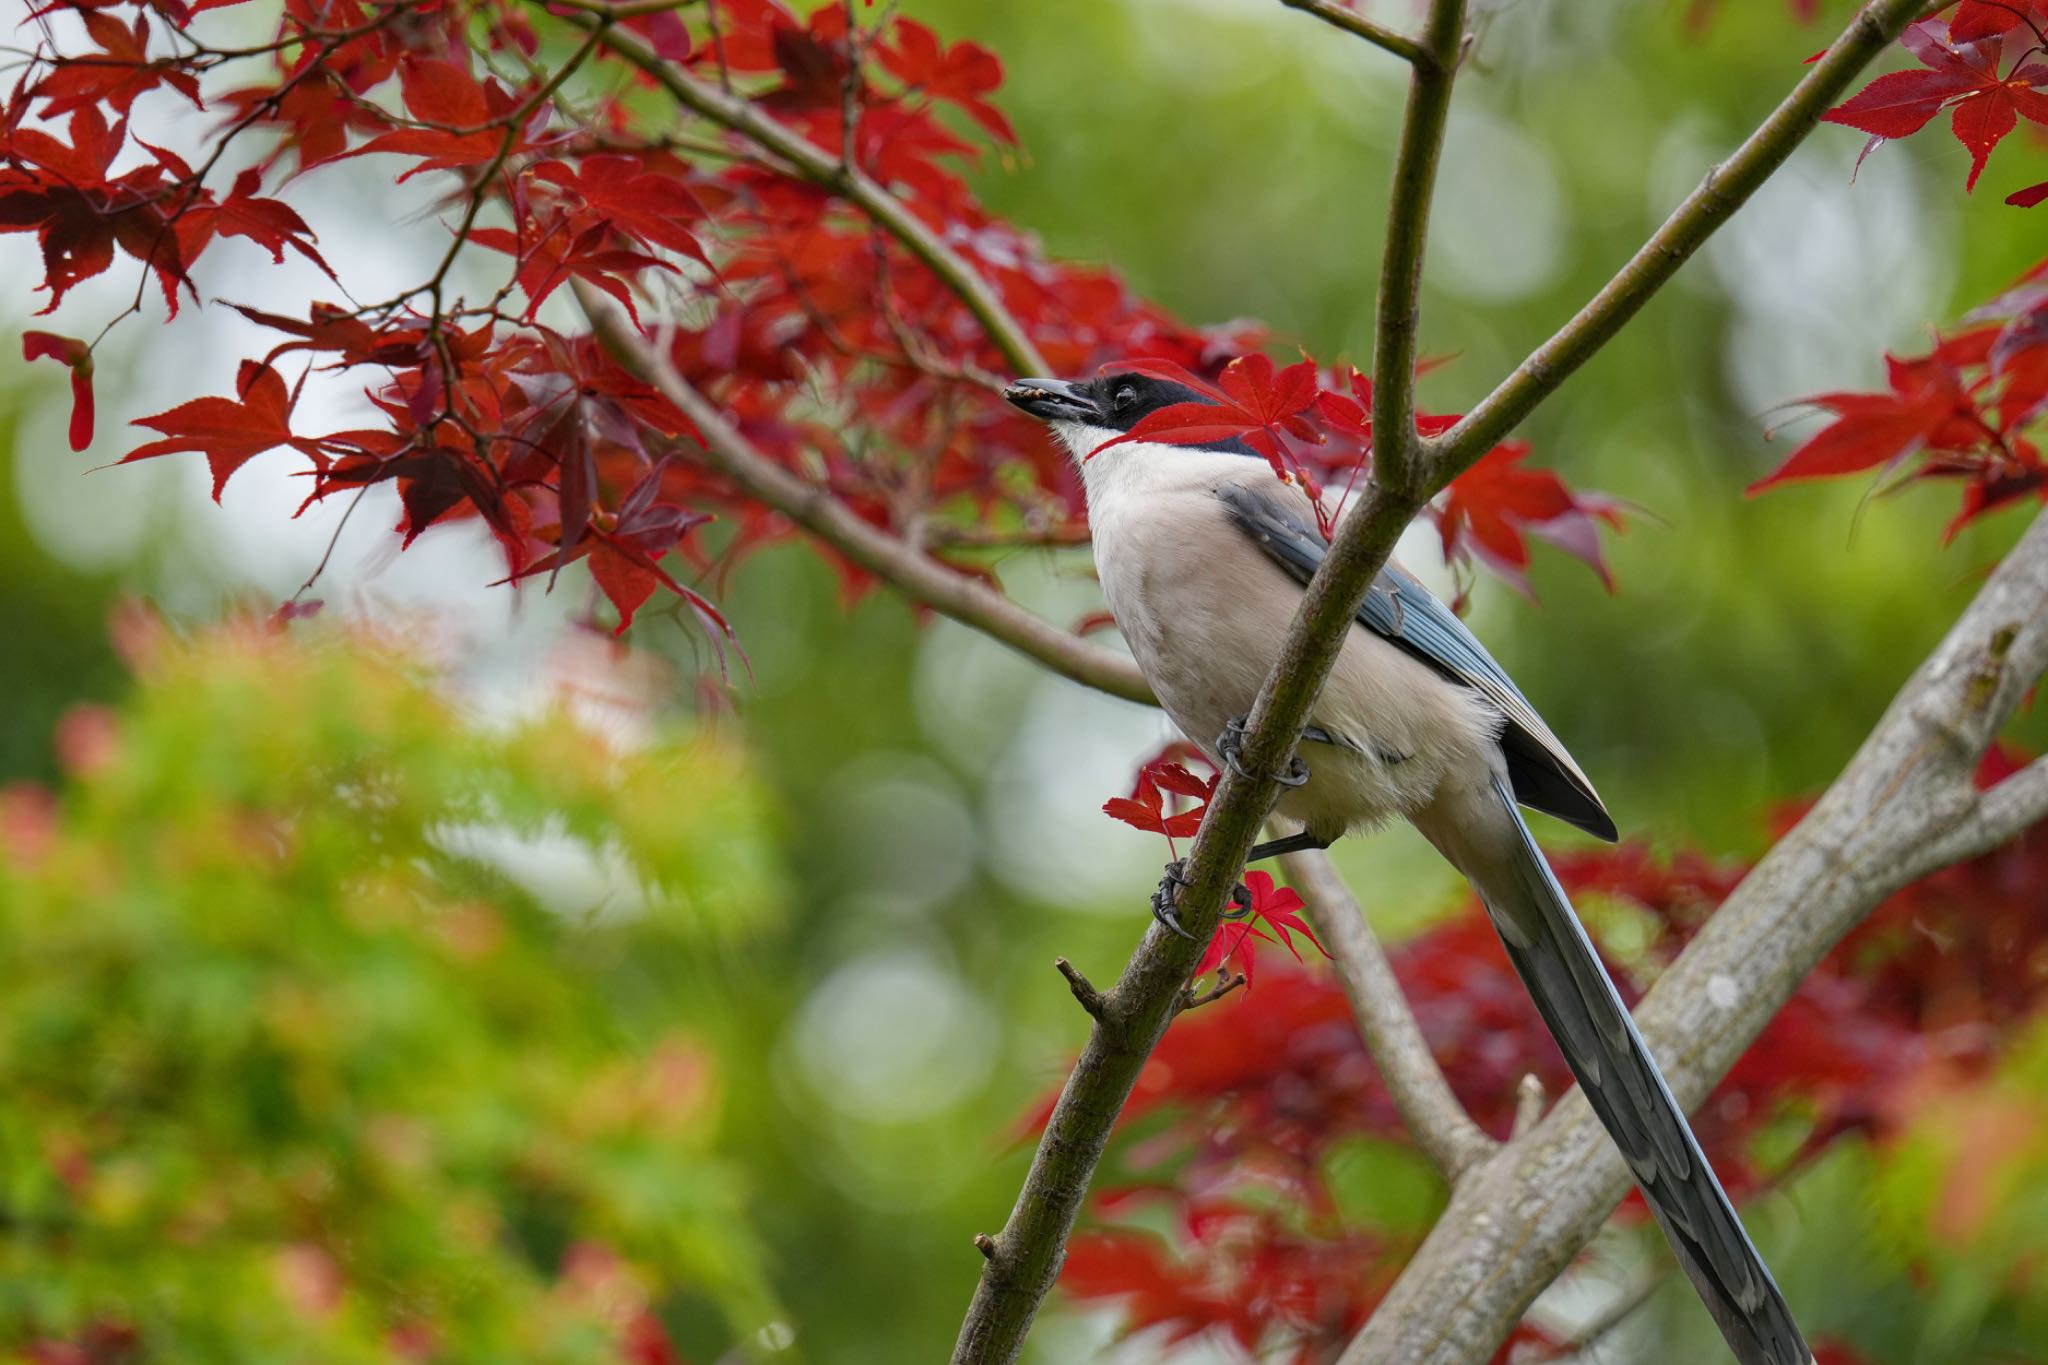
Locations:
{"points": [[1904, 804], [1137, 1010], [1356, 24], [809, 162], [917, 576], [1726, 188], [1420, 1093]]}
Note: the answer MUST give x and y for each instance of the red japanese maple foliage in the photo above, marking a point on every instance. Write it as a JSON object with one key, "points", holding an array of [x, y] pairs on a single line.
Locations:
{"points": [[834, 348], [1229, 1139], [1984, 62], [1967, 410]]}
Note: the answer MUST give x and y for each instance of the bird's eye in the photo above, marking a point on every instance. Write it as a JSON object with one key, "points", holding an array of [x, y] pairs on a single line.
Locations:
{"points": [[1124, 397]]}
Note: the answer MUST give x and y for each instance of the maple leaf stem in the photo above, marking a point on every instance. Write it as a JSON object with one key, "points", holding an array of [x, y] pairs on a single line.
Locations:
{"points": [[819, 167], [1415, 162], [917, 576], [1356, 24], [1416, 1084], [1724, 190]]}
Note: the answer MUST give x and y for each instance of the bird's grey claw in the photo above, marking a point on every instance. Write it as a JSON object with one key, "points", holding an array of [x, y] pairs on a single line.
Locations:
{"points": [[1163, 908], [1240, 902], [1231, 741]]}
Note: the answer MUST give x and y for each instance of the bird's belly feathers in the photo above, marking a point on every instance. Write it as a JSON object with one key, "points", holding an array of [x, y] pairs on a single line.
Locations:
{"points": [[1205, 614]]}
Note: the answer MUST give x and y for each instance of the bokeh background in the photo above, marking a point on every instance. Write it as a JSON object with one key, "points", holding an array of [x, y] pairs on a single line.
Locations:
{"points": [[818, 909]]}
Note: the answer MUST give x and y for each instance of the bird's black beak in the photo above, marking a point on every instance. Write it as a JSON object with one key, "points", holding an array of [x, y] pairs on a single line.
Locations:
{"points": [[1054, 400]]}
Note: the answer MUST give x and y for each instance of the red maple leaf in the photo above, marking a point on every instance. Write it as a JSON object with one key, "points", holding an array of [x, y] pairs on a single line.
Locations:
{"points": [[463, 118], [77, 355], [649, 207], [116, 75], [554, 255], [961, 74], [229, 431], [1929, 405], [1960, 76], [1145, 807], [270, 223], [1489, 508], [1249, 402], [62, 193], [1279, 907]]}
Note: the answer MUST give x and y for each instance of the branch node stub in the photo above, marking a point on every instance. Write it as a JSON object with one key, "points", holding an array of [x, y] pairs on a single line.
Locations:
{"points": [[986, 1245], [1991, 671], [1529, 1098], [1084, 990], [1189, 999]]}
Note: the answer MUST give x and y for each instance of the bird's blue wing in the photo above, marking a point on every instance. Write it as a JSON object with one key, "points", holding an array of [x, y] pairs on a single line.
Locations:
{"points": [[1402, 611]]}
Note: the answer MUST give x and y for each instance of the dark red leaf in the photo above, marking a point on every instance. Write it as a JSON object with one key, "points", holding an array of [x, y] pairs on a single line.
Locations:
{"points": [[78, 356]]}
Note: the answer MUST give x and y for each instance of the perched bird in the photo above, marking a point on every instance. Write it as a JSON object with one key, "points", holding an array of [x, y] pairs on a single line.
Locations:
{"points": [[1203, 553]]}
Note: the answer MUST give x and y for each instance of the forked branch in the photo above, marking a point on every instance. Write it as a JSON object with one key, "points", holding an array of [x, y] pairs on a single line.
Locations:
{"points": [[917, 576], [1351, 21], [1414, 1081], [1904, 806]]}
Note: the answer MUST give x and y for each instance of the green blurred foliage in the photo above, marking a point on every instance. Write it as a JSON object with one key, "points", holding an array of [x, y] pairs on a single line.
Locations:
{"points": [[291, 1067]]}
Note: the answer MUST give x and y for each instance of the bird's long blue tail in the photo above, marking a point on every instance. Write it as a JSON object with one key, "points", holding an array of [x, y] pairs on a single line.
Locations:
{"points": [[1620, 1079]]}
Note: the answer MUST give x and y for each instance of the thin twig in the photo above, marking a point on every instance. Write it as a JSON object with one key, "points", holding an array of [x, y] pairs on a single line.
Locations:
{"points": [[1226, 982], [1726, 188], [822, 168], [1625, 1306], [1421, 1095], [917, 576], [1422, 141], [1083, 989], [1352, 22]]}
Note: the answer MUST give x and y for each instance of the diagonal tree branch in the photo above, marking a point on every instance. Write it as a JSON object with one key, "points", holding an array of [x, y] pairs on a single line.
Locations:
{"points": [[1351, 21], [1027, 1253], [1726, 188], [1904, 805], [917, 576], [807, 161], [1420, 1093]]}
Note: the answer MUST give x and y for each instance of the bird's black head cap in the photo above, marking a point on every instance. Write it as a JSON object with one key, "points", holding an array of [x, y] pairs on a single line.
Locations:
{"points": [[1112, 402]]}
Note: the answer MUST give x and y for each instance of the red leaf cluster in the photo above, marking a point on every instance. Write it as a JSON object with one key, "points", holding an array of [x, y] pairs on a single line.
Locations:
{"points": [[836, 350], [1234, 1122], [1314, 432], [1982, 64], [1963, 411]]}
